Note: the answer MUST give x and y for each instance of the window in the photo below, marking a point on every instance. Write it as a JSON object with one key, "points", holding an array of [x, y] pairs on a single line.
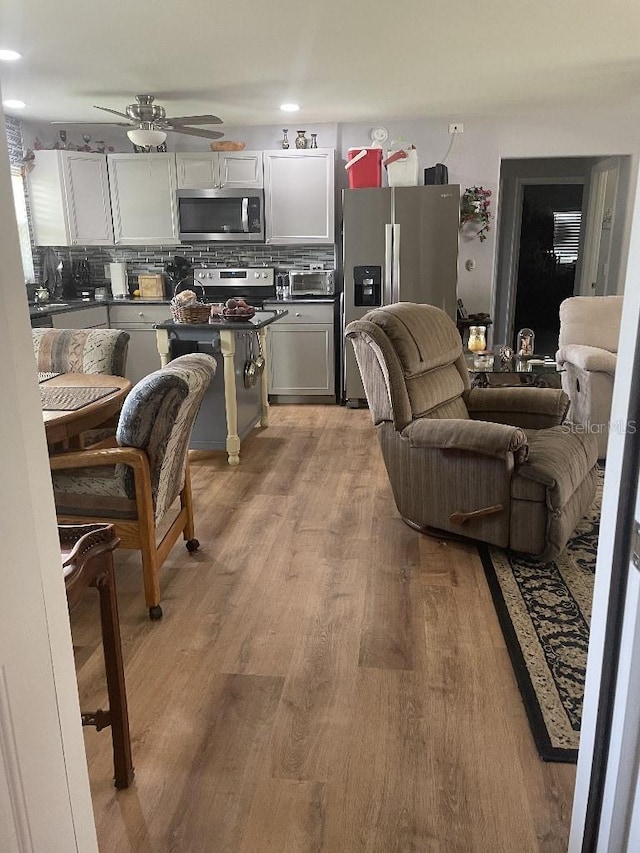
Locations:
{"points": [[17, 184], [566, 235]]}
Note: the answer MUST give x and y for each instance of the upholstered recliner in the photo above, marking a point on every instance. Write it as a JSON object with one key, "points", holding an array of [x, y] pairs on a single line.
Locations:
{"points": [[133, 481], [587, 356], [493, 464], [80, 350]]}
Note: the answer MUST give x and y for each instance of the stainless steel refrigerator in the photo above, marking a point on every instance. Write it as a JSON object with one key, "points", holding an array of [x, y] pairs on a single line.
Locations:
{"points": [[400, 244]]}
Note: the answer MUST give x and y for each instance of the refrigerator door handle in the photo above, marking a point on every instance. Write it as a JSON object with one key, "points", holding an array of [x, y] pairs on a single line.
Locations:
{"points": [[387, 281], [395, 276]]}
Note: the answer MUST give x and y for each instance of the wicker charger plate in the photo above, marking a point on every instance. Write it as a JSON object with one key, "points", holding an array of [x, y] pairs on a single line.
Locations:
{"points": [[62, 398]]}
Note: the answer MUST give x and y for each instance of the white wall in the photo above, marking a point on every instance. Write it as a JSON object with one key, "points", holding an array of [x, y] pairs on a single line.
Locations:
{"points": [[45, 802], [474, 159]]}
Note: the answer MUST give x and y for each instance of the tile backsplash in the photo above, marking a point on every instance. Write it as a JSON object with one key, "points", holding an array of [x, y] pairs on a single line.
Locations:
{"points": [[144, 259]]}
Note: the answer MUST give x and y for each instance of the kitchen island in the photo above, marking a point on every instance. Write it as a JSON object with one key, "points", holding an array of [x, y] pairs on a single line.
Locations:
{"points": [[237, 399]]}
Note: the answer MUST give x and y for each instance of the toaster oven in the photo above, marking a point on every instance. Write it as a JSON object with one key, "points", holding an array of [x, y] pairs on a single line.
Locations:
{"points": [[311, 283]]}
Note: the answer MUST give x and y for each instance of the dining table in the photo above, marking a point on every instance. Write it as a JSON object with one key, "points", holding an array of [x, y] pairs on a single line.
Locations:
{"points": [[75, 402]]}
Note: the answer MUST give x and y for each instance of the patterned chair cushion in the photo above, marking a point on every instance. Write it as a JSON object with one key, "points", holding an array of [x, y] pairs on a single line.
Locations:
{"points": [[157, 417], [80, 350], [95, 492]]}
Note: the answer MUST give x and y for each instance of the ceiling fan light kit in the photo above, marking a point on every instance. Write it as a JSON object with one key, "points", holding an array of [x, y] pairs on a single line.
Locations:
{"points": [[147, 137]]}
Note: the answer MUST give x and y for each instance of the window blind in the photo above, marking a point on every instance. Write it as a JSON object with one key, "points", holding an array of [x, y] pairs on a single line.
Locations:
{"points": [[566, 235]]}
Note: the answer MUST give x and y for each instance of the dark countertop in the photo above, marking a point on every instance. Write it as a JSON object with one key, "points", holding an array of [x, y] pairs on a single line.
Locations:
{"points": [[259, 321], [48, 308]]}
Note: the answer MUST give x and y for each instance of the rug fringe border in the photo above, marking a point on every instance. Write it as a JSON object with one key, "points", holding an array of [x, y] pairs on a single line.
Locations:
{"points": [[546, 750]]}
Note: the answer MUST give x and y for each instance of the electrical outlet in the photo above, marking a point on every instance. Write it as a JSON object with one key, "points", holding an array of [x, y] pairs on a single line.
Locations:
{"points": [[316, 267], [456, 127]]}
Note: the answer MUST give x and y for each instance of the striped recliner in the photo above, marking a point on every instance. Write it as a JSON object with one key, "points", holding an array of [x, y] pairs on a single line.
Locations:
{"points": [[494, 464]]}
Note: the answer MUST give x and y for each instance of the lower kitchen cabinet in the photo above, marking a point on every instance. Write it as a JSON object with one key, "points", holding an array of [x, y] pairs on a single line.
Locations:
{"points": [[138, 320], [95, 317], [301, 351]]}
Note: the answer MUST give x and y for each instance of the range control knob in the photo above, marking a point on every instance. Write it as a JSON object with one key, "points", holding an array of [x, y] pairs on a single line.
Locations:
{"points": [[264, 275], [256, 275]]}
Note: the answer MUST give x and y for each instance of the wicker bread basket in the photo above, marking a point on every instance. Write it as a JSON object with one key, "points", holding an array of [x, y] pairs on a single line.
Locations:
{"points": [[194, 312]]}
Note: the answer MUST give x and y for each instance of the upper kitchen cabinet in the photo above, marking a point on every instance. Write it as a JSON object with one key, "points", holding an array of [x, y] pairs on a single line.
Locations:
{"points": [[299, 196], [218, 170], [143, 199], [69, 192]]}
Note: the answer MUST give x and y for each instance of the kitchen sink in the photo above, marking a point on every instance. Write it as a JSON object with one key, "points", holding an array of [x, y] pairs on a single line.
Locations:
{"points": [[47, 306]]}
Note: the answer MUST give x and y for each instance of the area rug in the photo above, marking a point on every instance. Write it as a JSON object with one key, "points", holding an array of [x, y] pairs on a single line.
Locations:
{"points": [[545, 612]]}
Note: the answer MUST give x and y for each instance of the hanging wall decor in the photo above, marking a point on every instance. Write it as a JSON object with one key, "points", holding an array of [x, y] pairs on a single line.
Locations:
{"points": [[474, 210]]}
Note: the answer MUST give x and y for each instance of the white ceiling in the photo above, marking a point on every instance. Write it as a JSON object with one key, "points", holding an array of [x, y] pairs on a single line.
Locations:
{"points": [[341, 61]]}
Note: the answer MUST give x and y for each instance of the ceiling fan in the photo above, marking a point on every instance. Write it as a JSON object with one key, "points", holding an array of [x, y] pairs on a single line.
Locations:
{"points": [[150, 124]]}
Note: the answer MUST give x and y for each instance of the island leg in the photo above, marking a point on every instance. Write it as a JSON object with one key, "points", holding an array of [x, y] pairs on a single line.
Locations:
{"points": [[162, 342], [264, 379], [228, 347]]}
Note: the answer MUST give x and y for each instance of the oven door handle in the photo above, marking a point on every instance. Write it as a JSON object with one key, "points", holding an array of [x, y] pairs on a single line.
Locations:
{"points": [[245, 214]]}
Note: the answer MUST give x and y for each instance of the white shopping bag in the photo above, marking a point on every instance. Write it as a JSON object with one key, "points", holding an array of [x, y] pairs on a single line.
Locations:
{"points": [[402, 167]]}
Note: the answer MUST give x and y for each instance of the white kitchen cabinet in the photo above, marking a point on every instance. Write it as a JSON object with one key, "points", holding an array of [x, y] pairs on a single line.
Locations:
{"points": [[225, 169], [70, 203], [138, 320], [299, 196], [301, 353], [143, 199], [95, 317]]}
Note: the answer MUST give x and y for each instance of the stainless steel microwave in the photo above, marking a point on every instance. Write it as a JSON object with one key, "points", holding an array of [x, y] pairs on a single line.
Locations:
{"points": [[231, 215]]}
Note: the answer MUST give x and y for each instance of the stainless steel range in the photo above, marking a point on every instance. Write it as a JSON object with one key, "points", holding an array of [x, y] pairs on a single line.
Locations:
{"points": [[253, 284]]}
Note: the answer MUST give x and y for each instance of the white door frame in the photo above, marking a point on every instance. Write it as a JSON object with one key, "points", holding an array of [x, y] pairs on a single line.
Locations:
{"points": [[607, 774], [45, 802], [600, 176]]}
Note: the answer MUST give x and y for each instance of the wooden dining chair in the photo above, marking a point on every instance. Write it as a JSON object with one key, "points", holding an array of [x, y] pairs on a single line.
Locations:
{"points": [[133, 481], [86, 552]]}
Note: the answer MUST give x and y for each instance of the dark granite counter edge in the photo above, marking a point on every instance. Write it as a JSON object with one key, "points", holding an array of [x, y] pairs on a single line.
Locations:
{"points": [[220, 325], [78, 305]]}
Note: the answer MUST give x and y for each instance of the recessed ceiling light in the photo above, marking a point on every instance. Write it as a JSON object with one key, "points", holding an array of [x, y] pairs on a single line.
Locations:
{"points": [[9, 55], [14, 105], [289, 108]]}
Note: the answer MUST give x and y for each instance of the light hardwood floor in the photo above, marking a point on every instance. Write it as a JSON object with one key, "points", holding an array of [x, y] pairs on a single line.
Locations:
{"points": [[324, 677]]}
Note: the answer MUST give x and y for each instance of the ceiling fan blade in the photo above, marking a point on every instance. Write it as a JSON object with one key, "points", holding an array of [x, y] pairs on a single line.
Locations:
{"points": [[206, 119], [115, 112], [98, 123], [193, 131]]}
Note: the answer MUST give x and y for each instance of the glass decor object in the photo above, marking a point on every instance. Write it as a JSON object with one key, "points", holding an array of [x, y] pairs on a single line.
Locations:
{"points": [[285, 138], [525, 345], [301, 139], [483, 361], [314, 140], [477, 339]]}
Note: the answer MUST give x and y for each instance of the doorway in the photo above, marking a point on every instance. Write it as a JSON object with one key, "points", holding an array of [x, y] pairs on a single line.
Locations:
{"points": [[601, 265], [548, 256]]}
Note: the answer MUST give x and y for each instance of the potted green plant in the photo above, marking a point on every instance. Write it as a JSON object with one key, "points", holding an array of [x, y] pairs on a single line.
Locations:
{"points": [[474, 209]]}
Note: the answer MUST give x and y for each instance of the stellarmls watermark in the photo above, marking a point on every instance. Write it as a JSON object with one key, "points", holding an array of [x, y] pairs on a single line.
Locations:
{"points": [[613, 428]]}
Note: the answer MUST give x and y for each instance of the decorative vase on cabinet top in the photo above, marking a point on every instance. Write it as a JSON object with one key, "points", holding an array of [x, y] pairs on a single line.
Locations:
{"points": [[301, 139]]}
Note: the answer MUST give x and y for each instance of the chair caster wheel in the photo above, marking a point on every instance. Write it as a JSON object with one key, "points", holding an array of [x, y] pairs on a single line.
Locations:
{"points": [[155, 612], [192, 545]]}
